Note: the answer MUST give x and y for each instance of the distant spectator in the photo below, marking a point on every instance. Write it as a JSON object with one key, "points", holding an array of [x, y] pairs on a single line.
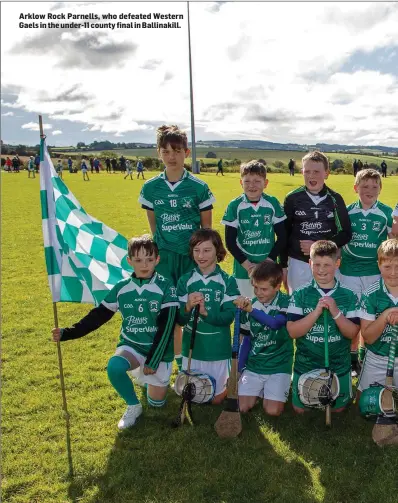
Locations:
{"points": [[91, 160], [31, 166], [360, 165], [291, 167], [108, 165], [366, 165], [122, 161], [383, 166], [129, 171], [96, 164], [114, 164], [70, 165], [16, 163], [37, 162], [140, 169], [59, 168], [8, 164], [84, 169], [355, 167], [220, 168]]}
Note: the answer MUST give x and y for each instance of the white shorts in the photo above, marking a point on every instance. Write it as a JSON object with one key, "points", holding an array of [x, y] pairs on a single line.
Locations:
{"points": [[270, 387], [298, 274], [374, 369], [84, 170], [163, 373], [245, 288], [219, 370], [358, 284]]}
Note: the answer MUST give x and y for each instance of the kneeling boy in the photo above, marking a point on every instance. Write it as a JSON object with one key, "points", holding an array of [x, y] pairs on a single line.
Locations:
{"points": [[269, 365], [305, 323], [379, 314], [148, 305]]}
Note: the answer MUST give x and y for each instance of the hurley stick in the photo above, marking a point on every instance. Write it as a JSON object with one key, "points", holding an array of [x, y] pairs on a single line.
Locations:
{"points": [[229, 423], [326, 336], [385, 431], [185, 407]]}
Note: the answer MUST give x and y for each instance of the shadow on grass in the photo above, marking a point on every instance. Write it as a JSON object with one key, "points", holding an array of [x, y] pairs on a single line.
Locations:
{"points": [[154, 463]]}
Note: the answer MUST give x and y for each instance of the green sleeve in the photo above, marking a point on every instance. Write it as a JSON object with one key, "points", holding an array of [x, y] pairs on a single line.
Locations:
{"points": [[295, 303], [146, 196], [389, 220], [111, 300], [231, 216], [182, 295], [225, 313], [206, 197], [367, 310], [279, 212]]}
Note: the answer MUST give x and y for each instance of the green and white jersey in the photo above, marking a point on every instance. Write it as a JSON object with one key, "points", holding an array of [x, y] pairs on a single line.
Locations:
{"points": [[310, 349], [271, 350], [395, 212], [369, 229], [374, 301], [139, 302], [213, 335], [255, 224], [177, 208]]}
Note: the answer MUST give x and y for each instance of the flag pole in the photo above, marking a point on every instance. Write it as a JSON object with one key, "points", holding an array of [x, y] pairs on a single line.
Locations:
{"points": [[193, 143], [61, 369]]}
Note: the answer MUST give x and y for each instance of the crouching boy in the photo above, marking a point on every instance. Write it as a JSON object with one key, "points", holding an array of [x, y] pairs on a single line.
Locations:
{"points": [[148, 305]]}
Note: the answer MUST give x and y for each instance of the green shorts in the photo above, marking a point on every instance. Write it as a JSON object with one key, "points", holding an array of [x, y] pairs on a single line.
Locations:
{"points": [[173, 265], [343, 399]]}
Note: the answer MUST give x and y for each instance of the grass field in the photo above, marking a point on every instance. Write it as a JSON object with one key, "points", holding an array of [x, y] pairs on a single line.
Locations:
{"points": [[286, 460]]}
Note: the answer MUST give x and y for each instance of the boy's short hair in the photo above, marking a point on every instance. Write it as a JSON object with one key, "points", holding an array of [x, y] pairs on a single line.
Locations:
{"points": [[146, 242], [316, 156], [253, 168], [367, 174], [267, 271], [387, 250], [205, 234], [171, 135], [324, 248]]}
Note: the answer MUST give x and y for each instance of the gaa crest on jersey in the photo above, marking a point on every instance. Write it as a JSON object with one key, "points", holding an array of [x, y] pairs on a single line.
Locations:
{"points": [[154, 306], [267, 219], [217, 295], [376, 226], [187, 202], [173, 291]]}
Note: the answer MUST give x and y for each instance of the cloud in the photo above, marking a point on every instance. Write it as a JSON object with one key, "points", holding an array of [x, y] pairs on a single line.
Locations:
{"points": [[56, 132], [238, 50], [33, 126], [215, 7], [8, 114], [151, 64]]}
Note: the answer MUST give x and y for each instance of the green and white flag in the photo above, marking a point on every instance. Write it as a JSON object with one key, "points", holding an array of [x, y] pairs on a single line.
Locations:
{"points": [[84, 257]]}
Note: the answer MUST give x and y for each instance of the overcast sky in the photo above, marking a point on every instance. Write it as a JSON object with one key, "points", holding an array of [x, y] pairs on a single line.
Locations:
{"points": [[282, 72]]}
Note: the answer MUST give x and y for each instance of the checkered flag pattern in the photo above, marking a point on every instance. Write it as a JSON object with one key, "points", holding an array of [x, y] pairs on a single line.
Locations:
{"points": [[84, 257]]}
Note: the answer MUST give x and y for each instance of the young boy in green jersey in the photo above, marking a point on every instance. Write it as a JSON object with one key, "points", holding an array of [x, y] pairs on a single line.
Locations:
{"points": [[371, 223], [305, 323], [214, 291], [149, 306], [177, 204], [251, 222], [379, 314], [263, 323]]}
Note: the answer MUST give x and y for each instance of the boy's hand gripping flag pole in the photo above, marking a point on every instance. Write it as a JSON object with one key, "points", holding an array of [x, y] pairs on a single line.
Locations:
{"points": [[327, 366], [44, 175]]}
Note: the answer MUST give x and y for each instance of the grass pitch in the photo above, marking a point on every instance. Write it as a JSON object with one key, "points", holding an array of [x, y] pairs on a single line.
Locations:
{"points": [[287, 459]]}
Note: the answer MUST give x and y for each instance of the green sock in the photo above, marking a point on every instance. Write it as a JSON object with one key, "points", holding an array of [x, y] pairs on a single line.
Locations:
{"points": [[178, 359], [354, 356], [117, 373], [361, 353]]}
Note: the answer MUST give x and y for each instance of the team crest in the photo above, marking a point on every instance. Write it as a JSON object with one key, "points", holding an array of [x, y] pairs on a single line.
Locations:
{"points": [[217, 295], [376, 226], [154, 306], [186, 202], [267, 219], [173, 291]]}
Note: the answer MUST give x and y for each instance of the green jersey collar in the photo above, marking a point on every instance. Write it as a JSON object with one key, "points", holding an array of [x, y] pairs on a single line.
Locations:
{"points": [[387, 292], [247, 200], [216, 271], [143, 281], [359, 205], [184, 175], [315, 285]]}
